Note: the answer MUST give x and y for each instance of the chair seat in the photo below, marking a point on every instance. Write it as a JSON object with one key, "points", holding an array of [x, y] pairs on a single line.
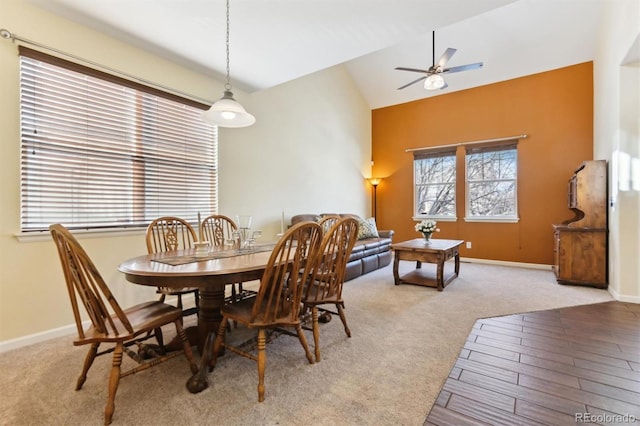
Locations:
{"points": [[317, 297], [143, 317], [241, 312]]}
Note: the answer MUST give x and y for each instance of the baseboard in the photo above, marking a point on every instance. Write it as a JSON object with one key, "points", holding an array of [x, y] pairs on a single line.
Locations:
{"points": [[42, 336], [622, 298], [505, 263], [617, 296], [67, 330]]}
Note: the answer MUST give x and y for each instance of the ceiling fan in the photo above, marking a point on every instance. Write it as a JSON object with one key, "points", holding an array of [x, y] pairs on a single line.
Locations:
{"points": [[433, 79]]}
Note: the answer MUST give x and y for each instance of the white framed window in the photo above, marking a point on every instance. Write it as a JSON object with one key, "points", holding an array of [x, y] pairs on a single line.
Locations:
{"points": [[101, 152], [435, 184], [492, 183]]}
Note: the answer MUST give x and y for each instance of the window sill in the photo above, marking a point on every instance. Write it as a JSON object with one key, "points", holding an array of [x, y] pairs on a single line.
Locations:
{"points": [[436, 218], [493, 219], [32, 237]]}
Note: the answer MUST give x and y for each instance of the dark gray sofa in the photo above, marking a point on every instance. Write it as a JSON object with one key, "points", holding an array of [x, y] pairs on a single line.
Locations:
{"points": [[368, 254]]}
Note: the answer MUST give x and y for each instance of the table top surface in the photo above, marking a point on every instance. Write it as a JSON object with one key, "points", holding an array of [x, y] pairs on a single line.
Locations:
{"points": [[149, 266], [418, 244]]}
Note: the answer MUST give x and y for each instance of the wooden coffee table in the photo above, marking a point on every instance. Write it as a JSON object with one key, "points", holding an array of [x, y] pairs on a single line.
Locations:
{"points": [[438, 252]]}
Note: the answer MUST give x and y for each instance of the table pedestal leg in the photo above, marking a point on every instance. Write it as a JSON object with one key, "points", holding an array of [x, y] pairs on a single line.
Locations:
{"points": [[198, 382], [209, 319], [209, 316]]}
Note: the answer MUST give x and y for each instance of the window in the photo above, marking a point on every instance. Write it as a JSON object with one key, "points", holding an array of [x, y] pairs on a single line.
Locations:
{"points": [[491, 181], [435, 184], [98, 151]]}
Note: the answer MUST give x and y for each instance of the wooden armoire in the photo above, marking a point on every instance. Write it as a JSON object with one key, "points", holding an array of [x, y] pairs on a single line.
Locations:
{"points": [[580, 251]]}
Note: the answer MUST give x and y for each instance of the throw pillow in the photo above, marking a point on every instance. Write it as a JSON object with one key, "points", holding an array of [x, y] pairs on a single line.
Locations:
{"points": [[374, 227], [366, 229]]}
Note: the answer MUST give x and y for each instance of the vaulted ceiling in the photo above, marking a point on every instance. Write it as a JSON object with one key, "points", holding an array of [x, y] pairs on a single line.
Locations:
{"points": [[275, 41]]}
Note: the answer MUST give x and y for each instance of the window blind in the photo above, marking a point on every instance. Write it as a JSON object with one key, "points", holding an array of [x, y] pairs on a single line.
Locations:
{"points": [[98, 151]]}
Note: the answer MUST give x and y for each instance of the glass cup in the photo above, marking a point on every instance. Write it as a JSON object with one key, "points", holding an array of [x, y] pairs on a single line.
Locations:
{"points": [[244, 221]]}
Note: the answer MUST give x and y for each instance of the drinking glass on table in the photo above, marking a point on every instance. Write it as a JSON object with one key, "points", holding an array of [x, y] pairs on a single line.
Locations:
{"points": [[244, 221]]}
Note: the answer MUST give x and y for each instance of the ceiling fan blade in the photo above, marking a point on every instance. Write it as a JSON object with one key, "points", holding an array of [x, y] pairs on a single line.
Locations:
{"points": [[412, 69], [463, 67], [413, 82], [445, 57]]}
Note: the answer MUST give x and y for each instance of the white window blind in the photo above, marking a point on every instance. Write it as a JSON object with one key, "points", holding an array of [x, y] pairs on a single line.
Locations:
{"points": [[99, 151]]}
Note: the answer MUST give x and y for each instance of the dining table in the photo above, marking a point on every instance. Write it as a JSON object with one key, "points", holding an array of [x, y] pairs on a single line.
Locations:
{"points": [[210, 273]]}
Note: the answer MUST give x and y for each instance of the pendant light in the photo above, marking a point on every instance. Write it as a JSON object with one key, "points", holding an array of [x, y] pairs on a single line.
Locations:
{"points": [[227, 112], [434, 82]]}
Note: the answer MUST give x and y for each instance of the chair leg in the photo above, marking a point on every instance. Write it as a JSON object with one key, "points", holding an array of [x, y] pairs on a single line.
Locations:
{"points": [[262, 362], [303, 341], [159, 337], [217, 345], [187, 346], [234, 294], [343, 318], [179, 302], [316, 331], [114, 380], [88, 361]]}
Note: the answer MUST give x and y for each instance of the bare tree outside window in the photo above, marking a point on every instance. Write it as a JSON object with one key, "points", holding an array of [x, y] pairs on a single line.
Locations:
{"points": [[492, 183], [435, 185]]}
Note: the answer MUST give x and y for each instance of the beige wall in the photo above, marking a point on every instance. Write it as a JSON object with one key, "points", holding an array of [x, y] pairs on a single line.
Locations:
{"points": [[617, 128], [311, 144]]}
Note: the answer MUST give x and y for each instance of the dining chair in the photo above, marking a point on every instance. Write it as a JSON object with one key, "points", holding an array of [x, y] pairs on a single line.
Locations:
{"points": [[217, 229], [325, 285], [327, 221], [122, 328], [277, 304], [169, 233]]}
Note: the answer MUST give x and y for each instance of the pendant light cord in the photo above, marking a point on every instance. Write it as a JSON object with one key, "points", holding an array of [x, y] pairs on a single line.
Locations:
{"points": [[227, 86]]}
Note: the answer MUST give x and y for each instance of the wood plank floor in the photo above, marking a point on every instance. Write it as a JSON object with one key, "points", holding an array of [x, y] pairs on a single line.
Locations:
{"points": [[563, 366]]}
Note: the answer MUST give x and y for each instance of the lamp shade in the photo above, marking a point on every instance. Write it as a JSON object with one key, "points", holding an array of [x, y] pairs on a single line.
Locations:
{"points": [[227, 112], [434, 82]]}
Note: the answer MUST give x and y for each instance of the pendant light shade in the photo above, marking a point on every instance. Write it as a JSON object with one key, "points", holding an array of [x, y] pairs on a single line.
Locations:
{"points": [[434, 82], [227, 112]]}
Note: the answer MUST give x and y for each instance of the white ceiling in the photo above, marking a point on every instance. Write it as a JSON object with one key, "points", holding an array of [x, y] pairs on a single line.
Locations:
{"points": [[275, 41]]}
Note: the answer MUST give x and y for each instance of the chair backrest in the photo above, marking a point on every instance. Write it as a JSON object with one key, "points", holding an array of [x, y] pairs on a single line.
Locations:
{"points": [[217, 228], [331, 266], [291, 262], [85, 282], [327, 222], [170, 233]]}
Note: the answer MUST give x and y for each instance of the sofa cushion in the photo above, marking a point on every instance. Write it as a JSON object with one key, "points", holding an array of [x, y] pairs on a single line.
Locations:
{"points": [[366, 229]]}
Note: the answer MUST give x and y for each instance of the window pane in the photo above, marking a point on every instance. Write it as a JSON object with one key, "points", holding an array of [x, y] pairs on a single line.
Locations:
{"points": [[492, 199], [492, 183], [435, 178]]}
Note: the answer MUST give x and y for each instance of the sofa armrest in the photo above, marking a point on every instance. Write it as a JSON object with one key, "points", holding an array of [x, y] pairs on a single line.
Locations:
{"points": [[386, 233]]}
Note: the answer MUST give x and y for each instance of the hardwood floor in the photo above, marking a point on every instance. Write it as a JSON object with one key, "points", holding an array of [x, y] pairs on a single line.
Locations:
{"points": [[563, 366]]}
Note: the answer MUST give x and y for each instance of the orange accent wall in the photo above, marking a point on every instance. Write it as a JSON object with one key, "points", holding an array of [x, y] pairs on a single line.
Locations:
{"points": [[555, 110]]}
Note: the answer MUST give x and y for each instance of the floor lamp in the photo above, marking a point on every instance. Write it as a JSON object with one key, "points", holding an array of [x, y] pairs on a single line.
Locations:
{"points": [[374, 184]]}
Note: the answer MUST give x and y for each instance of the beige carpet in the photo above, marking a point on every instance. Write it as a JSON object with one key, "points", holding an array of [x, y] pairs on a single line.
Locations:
{"points": [[405, 340]]}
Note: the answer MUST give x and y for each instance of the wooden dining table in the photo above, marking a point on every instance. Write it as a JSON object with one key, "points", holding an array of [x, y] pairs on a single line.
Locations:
{"points": [[210, 274]]}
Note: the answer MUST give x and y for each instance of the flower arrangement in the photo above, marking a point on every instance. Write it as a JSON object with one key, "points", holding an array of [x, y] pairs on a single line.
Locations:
{"points": [[427, 226]]}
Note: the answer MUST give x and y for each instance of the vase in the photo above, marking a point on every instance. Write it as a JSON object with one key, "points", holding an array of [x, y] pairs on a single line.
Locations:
{"points": [[427, 238]]}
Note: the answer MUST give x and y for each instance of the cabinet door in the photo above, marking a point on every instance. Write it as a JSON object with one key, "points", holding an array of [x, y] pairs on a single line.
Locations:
{"points": [[582, 258]]}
